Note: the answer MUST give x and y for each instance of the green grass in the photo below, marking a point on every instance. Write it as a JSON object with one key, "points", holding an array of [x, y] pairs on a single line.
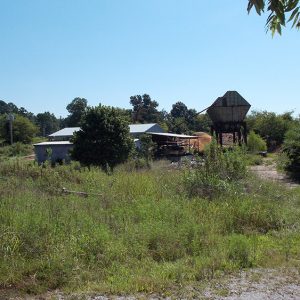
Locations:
{"points": [[17, 149], [143, 232]]}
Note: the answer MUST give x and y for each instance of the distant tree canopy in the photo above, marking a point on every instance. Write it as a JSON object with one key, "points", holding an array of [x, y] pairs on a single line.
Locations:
{"points": [[6, 108], [104, 139], [270, 126], [184, 120], [179, 110], [47, 123], [23, 129], [76, 110], [280, 12], [144, 109]]}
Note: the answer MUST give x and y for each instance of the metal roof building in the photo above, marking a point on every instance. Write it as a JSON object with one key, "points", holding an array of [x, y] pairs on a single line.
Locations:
{"points": [[135, 130], [63, 134], [138, 129], [59, 151]]}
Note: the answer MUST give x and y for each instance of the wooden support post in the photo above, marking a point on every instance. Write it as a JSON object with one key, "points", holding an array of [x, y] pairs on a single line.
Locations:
{"points": [[245, 133], [221, 139], [240, 137]]}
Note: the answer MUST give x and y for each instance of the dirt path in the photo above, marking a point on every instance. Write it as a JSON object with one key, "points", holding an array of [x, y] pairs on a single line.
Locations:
{"points": [[257, 284], [268, 171]]}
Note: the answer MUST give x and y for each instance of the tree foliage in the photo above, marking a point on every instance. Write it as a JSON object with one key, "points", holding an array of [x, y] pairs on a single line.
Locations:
{"points": [[184, 120], [76, 110], [104, 139], [179, 110], [47, 123], [270, 126], [23, 129], [6, 108], [291, 147], [144, 109], [280, 13]]}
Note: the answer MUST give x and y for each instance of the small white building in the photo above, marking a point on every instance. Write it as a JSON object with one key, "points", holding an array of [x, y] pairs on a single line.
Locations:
{"points": [[53, 151]]}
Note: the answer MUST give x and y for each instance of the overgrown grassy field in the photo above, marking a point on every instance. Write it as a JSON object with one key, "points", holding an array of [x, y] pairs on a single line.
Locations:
{"points": [[137, 231]]}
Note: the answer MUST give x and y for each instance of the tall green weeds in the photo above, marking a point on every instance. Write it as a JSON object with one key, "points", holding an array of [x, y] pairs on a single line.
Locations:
{"points": [[138, 231], [217, 172]]}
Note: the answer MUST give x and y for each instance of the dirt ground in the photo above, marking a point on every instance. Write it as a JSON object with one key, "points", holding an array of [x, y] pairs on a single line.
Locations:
{"points": [[252, 284], [269, 171]]}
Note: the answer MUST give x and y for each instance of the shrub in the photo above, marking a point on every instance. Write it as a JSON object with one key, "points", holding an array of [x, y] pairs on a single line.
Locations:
{"points": [[17, 149], [239, 251], [216, 171], [291, 147], [146, 149], [254, 159], [256, 142]]}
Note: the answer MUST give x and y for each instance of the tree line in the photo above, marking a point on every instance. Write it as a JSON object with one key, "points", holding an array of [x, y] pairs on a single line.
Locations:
{"points": [[270, 126], [26, 124]]}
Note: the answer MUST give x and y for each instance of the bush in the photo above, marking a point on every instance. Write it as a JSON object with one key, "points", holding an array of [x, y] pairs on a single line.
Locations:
{"points": [[17, 149], [254, 159], [291, 147], [216, 171], [146, 149], [256, 142], [239, 251]]}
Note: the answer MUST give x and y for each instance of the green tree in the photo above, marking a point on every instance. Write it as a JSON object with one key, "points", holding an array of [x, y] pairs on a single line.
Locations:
{"points": [[144, 109], [280, 12], [3, 107], [270, 126], [184, 120], [179, 110], [23, 129], [76, 110], [47, 123], [12, 108], [178, 125], [25, 113], [202, 123], [291, 147], [8, 108], [104, 139]]}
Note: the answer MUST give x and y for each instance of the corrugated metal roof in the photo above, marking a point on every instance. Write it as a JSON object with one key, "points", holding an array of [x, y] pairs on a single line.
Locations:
{"points": [[53, 143], [232, 107], [68, 131], [182, 136], [140, 128]]}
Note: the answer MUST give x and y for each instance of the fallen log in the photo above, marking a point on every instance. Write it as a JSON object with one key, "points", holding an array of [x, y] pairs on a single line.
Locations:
{"points": [[82, 194]]}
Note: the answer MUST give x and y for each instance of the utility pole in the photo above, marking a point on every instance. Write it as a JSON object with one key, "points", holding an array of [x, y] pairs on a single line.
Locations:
{"points": [[10, 119]]}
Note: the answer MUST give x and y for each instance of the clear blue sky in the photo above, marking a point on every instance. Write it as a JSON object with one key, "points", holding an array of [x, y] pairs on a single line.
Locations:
{"points": [[108, 50]]}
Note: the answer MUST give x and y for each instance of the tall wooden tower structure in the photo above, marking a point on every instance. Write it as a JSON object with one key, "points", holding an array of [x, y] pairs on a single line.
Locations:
{"points": [[228, 116]]}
